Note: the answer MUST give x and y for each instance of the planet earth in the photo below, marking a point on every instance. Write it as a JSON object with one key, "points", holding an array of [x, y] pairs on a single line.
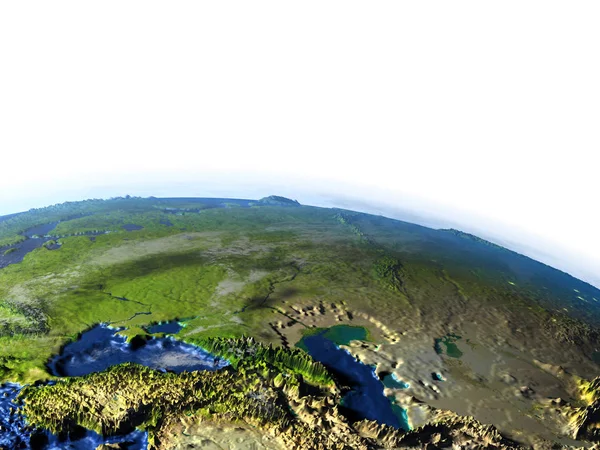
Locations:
{"points": [[187, 323]]}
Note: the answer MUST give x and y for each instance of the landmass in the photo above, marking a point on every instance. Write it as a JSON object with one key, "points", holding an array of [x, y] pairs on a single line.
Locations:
{"points": [[475, 345]]}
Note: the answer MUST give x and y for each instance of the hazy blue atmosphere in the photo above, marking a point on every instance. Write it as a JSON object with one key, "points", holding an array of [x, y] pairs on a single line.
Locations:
{"points": [[520, 238], [312, 225], [440, 115]]}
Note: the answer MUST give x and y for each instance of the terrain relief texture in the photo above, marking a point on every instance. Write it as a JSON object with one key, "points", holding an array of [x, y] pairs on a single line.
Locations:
{"points": [[186, 323]]}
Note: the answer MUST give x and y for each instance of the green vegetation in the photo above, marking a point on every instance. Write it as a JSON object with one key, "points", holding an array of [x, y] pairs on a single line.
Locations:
{"points": [[254, 394], [388, 271], [217, 275], [276, 200], [288, 361], [584, 421], [345, 219], [264, 388], [235, 274], [50, 243], [228, 272], [132, 396], [472, 237], [11, 228]]}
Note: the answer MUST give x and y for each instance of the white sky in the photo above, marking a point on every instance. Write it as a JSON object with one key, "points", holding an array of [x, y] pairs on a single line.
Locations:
{"points": [[482, 114]]}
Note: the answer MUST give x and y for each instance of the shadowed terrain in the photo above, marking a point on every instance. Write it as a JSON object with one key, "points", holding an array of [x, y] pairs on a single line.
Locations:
{"points": [[476, 333]]}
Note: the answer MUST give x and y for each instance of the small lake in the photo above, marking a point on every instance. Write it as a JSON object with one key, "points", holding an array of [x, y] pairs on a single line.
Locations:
{"points": [[448, 345], [172, 327], [366, 399], [132, 227]]}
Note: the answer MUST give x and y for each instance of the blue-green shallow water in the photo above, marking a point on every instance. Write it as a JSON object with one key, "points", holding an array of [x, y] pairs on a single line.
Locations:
{"points": [[447, 345], [390, 381], [400, 413], [437, 376], [344, 334], [366, 400]]}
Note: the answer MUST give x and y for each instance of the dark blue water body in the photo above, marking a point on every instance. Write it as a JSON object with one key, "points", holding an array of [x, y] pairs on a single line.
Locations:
{"points": [[15, 434], [40, 230], [166, 222], [35, 237], [172, 327], [136, 440], [132, 227], [366, 400], [12, 424], [96, 350], [99, 348]]}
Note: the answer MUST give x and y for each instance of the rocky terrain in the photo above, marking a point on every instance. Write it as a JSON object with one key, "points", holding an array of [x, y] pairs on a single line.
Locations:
{"points": [[477, 345], [270, 403]]}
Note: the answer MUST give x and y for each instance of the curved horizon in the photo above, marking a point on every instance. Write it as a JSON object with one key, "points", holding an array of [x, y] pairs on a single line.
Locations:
{"points": [[434, 220], [442, 159], [439, 113]]}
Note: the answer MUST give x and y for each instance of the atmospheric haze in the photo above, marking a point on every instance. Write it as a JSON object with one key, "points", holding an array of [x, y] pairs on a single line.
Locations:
{"points": [[482, 117]]}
